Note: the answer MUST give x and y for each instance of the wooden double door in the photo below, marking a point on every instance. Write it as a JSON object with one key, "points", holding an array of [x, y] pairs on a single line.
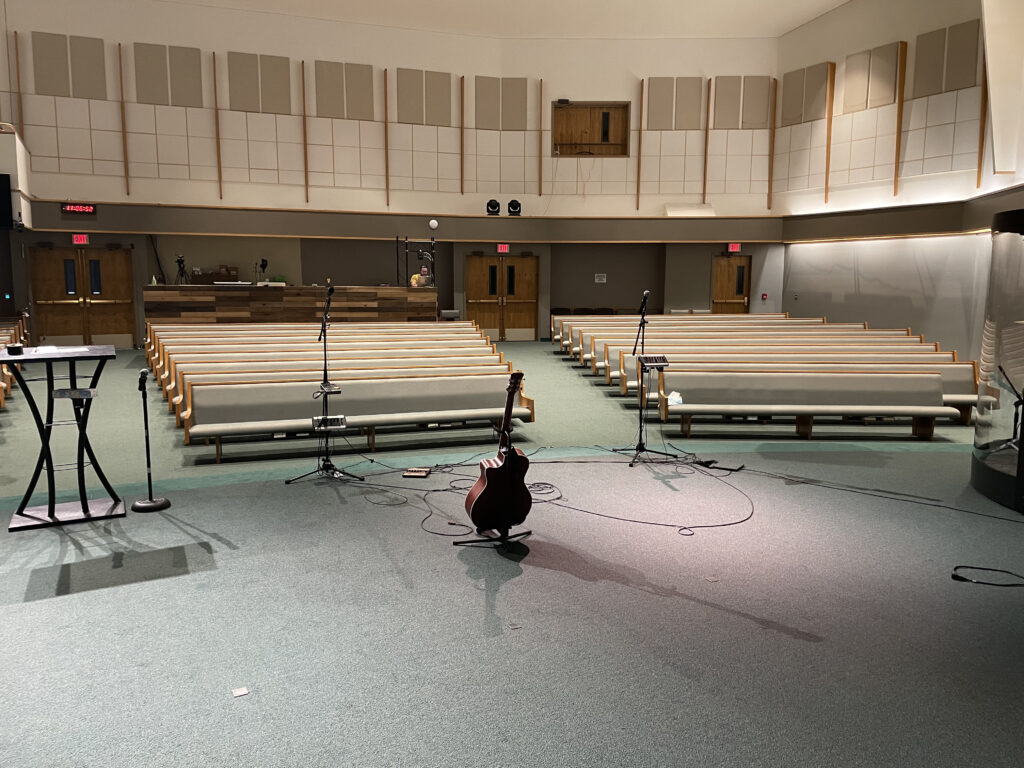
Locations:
{"points": [[501, 295], [82, 296], [730, 284]]}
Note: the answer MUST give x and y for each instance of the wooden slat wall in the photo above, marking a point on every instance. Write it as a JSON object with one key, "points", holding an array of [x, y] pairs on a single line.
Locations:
{"points": [[264, 304]]}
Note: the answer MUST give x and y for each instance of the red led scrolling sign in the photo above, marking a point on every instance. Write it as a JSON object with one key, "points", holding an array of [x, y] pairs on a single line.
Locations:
{"points": [[86, 209]]}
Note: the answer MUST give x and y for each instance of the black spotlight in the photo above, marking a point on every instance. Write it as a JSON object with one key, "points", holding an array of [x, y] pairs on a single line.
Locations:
{"points": [[514, 208], [493, 207]]}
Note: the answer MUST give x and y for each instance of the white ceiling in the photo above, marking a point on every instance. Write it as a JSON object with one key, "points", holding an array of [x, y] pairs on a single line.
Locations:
{"points": [[613, 19]]}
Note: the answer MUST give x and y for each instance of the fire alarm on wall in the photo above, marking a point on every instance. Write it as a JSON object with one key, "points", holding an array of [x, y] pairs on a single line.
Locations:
{"points": [[764, 297]]}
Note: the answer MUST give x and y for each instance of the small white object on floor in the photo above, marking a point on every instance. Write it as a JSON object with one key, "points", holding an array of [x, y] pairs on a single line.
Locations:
{"points": [[236, 692]]}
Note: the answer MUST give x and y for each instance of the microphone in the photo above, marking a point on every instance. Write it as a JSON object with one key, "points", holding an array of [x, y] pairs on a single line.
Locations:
{"points": [[330, 288], [142, 379], [643, 304]]}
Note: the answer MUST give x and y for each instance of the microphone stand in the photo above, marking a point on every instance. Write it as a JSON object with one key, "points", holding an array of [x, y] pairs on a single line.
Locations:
{"points": [[325, 467], [641, 446], [149, 504]]}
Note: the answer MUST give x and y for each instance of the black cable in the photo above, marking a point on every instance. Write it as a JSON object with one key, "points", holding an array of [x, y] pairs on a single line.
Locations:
{"points": [[959, 577], [159, 266]]}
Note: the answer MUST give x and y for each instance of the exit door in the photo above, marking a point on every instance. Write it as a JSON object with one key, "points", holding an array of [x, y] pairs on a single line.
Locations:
{"points": [[730, 284], [82, 296], [501, 295]]}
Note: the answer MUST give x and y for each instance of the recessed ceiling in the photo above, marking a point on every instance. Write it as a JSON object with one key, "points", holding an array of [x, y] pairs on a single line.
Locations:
{"points": [[612, 19]]}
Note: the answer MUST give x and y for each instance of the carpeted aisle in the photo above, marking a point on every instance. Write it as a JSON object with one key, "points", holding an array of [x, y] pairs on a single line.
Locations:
{"points": [[798, 612]]}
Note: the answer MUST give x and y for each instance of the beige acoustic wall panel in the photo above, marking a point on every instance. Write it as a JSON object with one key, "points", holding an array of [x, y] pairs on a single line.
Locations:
{"points": [[929, 63], [359, 91], [437, 88], [961, 56], [329, 82], [410, 96], [513, 103], [276, 84], [243, 82], [882, 80], [50, 64], [151, 74], [756, 92], [186, 76], [727, 101], [488, 103], [689, 103], [855, 82], [88, 68], [660, 103], [815, 92], [793, 97]]}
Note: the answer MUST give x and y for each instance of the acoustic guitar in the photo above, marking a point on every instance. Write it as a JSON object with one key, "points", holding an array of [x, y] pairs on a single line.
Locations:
{"points": [[500, 499]]}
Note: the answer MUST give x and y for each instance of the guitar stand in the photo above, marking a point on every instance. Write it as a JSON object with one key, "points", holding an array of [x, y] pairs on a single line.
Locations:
{"points": [[496, 543]]}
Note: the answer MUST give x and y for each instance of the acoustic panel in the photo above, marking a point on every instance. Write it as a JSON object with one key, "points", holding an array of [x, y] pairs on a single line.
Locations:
{"points": [[793, 97], [359, 91], [276, 84], [513, 103], [186, 76], [89, 68], [815, 92], [727, 101], [660, 103], [488, 103], [243, 82], [882, 80], [151, 74], [855, 82], [689, 101], [50, 64], [329, 84], [410, 96], [929, 63], [961, 56], [756, 92], [438, 95]]}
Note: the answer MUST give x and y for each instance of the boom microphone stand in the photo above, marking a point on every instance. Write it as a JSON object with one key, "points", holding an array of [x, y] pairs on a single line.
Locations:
{"points": [[646, 366], [326, 424]]}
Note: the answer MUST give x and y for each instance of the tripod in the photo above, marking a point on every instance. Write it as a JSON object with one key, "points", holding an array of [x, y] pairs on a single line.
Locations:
{"points": [[182, 277], [325, 424], [646, 366]]}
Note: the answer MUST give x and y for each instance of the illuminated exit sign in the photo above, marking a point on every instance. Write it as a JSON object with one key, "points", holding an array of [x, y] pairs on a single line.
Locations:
{"points": [[734, 247], [79, 239], [502, 247]]}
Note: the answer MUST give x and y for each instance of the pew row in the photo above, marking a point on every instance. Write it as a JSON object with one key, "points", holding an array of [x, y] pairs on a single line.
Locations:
{"points": [[227, 410], [804, 396], [558, 320], [179, 403]]}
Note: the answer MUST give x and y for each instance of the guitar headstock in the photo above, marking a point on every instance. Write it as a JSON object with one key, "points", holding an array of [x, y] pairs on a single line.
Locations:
{"points": [[514, 382]]}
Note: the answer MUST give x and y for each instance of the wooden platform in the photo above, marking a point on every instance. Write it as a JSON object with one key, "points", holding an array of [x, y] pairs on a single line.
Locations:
{"points": [[299, 304]]}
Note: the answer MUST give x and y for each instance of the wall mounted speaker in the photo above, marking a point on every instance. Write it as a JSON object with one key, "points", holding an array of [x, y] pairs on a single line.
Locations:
{"points": [[514, 208], [493, 207]]}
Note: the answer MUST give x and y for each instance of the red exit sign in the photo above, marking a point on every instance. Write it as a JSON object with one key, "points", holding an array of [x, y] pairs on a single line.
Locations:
{"points": [[502, 247], [79, 239], [735, 247], [78, 208]]}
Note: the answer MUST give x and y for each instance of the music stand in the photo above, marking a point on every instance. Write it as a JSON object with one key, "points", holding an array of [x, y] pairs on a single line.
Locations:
{"points": [[325, 424], [647, 364]]}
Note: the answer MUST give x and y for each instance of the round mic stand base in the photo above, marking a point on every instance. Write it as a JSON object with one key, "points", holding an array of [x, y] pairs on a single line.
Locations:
{"points": [[151, 505]]}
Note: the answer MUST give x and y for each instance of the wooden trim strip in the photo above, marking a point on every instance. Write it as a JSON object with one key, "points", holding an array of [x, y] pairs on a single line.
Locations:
{"points": [[540, 139], [305, 139], [707, 138], [639, 143], [901, 89], [17, 82], [462, 135], [771, 139], [387, 163], [124, 121], [982, 122], [216, 130], [831, 96]]}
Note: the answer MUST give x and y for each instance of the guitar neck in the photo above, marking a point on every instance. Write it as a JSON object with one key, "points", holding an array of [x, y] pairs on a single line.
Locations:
{"points": [[504, 440]]}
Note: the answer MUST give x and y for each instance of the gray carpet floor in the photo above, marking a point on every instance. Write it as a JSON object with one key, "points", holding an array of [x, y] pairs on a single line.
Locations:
{"points": [[799, 612]]}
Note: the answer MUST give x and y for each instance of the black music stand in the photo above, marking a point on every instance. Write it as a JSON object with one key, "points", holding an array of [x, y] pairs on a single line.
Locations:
{"points": [[647, 364], [325, 424], [85, 509]]}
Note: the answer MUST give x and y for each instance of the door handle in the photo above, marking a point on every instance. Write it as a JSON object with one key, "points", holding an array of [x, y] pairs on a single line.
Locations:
{"points": [[746, 301]]}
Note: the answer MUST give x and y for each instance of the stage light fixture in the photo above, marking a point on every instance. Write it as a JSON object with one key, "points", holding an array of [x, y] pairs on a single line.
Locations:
{"points": [[514, 208], [493, 207]]}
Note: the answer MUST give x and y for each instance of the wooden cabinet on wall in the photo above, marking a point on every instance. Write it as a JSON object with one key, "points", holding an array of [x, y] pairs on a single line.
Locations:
{"points": [[590, 128]]}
